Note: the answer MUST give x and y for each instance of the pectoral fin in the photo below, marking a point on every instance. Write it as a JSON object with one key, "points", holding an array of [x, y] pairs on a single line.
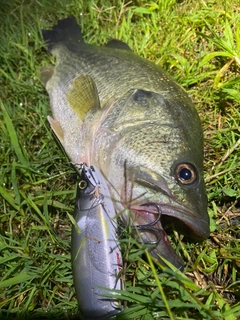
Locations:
{"points": [[56, 127], [46, 74], [83, 96]]}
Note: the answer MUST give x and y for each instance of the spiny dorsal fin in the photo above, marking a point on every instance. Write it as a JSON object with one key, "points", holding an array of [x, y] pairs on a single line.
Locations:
{"points": [[118, 44], [66, 31], [83, 95], [46, 74]]}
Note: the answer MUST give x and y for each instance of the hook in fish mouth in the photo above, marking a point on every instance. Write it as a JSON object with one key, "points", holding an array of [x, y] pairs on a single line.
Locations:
{"points": [[149, 227], [148, 230]]}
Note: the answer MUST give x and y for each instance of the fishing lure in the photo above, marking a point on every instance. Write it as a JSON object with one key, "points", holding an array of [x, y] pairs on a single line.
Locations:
{"points": [[96, 256]]}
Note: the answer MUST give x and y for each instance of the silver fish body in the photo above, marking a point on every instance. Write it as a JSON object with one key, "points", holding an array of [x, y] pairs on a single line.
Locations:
{"points": [[96, 256], [126, 116]]}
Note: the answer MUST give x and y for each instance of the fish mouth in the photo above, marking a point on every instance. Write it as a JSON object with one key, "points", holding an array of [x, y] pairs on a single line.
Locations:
{"points": [[190, 219], [153, 220], [185, 221]]}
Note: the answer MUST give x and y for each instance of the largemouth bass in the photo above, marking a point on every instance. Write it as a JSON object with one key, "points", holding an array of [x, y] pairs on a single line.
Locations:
{"points": [[126, 116]]}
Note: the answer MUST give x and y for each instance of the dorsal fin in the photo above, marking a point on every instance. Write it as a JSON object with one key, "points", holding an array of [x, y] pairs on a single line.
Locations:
{"points": [[118, 44], [83, 95], [66, 30]]}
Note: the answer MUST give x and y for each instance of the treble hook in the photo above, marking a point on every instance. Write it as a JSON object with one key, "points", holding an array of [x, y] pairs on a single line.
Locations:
{"points": [[148, 227]]}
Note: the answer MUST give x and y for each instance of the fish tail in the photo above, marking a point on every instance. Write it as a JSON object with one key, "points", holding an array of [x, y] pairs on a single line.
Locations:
{"points": [[66, 31]]}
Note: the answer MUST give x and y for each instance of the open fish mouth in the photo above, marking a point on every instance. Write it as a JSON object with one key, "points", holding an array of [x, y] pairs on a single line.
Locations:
{"points": [[185, 221], [152, 221]]}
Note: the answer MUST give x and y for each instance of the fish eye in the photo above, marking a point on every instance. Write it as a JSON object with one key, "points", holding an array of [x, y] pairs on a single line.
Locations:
{"points": [[186, 173]]}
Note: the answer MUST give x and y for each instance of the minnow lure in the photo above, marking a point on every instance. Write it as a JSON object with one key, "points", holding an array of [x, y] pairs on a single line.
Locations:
{"points": [[96, 256]]}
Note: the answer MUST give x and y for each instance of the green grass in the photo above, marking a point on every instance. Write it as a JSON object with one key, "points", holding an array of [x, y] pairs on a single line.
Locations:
{"points": [[198, 42]]}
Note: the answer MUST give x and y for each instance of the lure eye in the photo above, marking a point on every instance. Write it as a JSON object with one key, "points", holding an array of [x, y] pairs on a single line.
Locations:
{"points": [[82, 184], [186, 173]]}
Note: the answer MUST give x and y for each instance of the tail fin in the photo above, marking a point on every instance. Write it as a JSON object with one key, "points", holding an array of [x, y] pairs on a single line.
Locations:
{"points": [[67, 31]]}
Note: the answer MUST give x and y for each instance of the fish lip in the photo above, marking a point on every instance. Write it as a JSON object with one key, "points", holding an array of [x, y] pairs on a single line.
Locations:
{"points": [[197, 227]]}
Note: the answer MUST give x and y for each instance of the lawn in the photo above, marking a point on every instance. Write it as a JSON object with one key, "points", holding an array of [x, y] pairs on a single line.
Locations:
{"points": [[198, 43]]}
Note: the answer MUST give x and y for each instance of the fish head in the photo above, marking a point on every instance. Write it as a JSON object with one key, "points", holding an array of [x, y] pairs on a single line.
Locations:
{"points": [[180, 195], [150, 149]]}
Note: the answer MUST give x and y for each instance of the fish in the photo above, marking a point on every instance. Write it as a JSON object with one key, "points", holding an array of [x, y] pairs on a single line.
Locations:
{"points": [[95, 251], [127, 117]]}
